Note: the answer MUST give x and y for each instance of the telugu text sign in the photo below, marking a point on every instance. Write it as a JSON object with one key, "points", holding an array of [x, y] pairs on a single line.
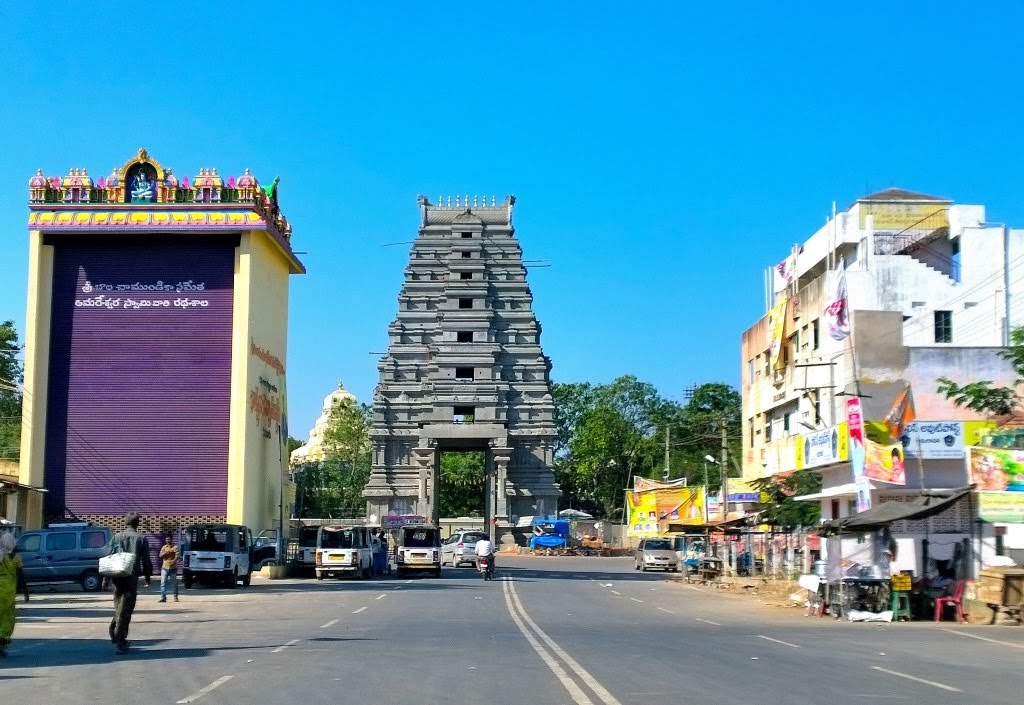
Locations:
{"points": [[822, 447]]}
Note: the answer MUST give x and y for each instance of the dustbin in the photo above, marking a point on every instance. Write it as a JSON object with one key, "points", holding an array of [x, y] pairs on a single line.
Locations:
{"points": [[820, 568]]}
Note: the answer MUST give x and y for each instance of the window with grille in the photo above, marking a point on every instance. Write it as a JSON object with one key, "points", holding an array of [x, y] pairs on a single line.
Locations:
{"points": [[943, 326]]}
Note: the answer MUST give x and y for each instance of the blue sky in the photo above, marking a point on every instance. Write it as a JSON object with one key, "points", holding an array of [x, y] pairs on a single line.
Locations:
{"points": [[661, 155]]}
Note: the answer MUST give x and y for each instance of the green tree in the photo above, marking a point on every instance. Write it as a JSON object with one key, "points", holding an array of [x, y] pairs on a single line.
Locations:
{"points": [[334, 486], [982, 396], [711, 407], [10, 392], [781, 510], [462, 484]]}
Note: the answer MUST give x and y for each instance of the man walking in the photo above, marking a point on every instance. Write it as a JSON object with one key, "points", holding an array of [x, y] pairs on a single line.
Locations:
{"points": [[126, 590], [168, 568]]}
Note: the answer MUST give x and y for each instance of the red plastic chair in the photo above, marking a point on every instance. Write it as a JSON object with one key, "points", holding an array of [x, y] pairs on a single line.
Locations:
{"points": [[956, 599]]}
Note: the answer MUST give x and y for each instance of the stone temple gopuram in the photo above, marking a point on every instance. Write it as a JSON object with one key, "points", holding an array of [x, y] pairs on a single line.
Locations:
{"points": [[464, 371]]}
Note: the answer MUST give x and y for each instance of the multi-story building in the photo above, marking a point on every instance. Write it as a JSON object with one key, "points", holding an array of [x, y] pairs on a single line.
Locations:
{"points": [[932, 290]]}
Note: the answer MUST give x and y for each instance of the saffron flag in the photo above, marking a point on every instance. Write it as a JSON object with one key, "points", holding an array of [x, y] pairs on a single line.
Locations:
{"points": [[901, 414], [837, 307]]}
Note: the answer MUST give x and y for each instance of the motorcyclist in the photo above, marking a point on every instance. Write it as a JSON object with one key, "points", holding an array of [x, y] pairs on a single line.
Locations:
{"points": [[484, 548]]}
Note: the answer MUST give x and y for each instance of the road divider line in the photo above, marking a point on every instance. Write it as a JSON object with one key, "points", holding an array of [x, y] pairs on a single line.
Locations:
{"points": [[203, 691], [919, 680], [282, 647], [329, 624], [359, 610], [778, 641], [574, 690], [985, 638], [708, 621], [616, 592], [635, 600], [380, 596], [581, 672], [665, 610]]}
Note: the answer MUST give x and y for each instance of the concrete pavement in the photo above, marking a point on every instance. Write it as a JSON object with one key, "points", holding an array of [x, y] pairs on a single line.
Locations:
{"points": [[552, 630]]}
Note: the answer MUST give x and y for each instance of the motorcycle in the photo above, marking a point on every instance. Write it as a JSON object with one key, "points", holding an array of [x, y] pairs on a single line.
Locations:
{"points": [[485, 565]]}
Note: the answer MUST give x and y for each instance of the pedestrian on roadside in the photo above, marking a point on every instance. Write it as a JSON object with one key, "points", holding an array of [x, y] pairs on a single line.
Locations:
{"points": [[12, 579], [126, 590], [168, 568]]}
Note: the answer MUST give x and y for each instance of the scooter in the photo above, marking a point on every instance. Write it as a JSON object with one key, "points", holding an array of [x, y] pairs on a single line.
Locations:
{"points": [[485, 564]]}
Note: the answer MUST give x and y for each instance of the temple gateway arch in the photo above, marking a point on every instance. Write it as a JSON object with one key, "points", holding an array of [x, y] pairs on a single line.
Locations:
{"points": [[464, 370]]}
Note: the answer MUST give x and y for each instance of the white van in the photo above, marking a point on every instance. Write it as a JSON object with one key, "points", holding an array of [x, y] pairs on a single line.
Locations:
{"points": [[344, 550], [217, 553]]}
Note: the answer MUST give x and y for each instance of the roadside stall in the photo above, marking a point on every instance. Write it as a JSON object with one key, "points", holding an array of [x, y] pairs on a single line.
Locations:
{"points": [[858, 582]]}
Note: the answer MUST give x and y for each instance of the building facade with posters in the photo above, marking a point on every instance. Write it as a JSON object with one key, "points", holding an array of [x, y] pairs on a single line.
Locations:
{"points": [[155, 347], [897, 290]]}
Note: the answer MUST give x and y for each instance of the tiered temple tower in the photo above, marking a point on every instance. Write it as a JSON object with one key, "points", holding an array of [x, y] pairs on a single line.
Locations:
{"points": [[464, 370]]}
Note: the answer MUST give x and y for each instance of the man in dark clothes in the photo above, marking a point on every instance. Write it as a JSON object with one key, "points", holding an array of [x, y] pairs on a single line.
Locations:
{"points": [[126, 589]]}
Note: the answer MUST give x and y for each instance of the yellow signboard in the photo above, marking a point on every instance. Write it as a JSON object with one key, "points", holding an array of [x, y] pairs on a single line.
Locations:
{"points": [[905, 216], [1001, 507], [649, 513], [825, 447]]}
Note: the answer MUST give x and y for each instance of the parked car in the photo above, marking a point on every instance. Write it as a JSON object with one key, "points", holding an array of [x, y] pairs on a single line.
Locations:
{"points": [[264, 549], [217, 553], [461, 547], [342, 550], [418, 549], [656, 553], [307, 546], [64, 553]]}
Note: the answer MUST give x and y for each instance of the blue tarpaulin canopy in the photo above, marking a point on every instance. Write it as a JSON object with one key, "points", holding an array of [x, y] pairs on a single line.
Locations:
{"points": [[549, 533]]}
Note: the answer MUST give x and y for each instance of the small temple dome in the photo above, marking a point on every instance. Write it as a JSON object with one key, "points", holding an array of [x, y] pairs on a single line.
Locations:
{"points": [[246, 179], [38, 181]]}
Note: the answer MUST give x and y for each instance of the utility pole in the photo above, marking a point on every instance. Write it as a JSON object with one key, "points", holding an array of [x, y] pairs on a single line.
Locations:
{"points": [[725, 475], [668, 433]]}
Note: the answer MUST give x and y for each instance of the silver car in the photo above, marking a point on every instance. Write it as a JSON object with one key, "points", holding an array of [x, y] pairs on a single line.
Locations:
{"points": [[656, 553], [461, 547]]}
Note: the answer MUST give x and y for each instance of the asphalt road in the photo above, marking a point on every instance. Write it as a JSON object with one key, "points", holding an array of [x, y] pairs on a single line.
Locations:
{"points": [[583, 631]]}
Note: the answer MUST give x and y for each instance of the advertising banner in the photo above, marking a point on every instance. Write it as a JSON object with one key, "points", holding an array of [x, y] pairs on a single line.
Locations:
{"points": [[823, 447], [652, 511], [1001, 507], [884, 463], [996, 469], [776, 330], [855, 426]]}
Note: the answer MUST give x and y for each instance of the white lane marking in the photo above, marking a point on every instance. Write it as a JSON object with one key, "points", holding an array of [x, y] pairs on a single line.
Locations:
{"points": [[587, 679], [574, 690], [778, 641], [708, 621], [380, 596], [985, 638], [665, 610], [329, 624], [282, 647], [919, 680], [616, 592], [359, 610], [635, 600], [203, 691]]}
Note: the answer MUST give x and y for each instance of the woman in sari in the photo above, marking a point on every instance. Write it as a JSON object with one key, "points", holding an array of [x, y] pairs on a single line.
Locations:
{"points": [[12, 578]]}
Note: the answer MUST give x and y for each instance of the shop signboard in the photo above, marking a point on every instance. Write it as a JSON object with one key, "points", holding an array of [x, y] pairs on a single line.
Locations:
{"points": [[939, 440], [1001, 507], [996, 469], [824, 447]]}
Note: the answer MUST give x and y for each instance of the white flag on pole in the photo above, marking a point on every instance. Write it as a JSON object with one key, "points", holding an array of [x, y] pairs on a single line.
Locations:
{"points": [[837, 305]]}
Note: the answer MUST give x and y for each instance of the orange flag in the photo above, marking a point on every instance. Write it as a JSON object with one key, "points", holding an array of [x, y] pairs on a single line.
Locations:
{"points": [[901, 414]]}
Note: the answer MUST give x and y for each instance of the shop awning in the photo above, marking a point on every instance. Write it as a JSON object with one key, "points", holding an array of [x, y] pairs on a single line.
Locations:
{"points": [[881, 515], [7, 486], [847, 490]]}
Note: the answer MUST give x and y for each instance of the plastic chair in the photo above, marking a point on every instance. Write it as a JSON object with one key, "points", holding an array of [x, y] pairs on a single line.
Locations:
{"points": [[955, 599]]}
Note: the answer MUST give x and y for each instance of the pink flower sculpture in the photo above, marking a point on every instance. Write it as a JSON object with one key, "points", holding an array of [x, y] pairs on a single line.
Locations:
{"points": [[185, 183], [231, 182]]}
